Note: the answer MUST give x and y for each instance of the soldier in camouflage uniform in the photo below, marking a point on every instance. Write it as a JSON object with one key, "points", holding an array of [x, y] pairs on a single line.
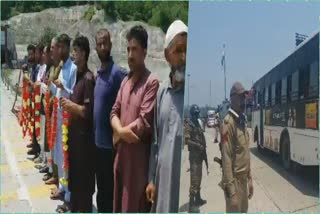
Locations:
{"points": [[236, 174], [195, 140]]}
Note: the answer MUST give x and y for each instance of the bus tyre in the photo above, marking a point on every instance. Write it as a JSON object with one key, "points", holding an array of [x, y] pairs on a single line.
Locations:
{"points": [[285, 153]]}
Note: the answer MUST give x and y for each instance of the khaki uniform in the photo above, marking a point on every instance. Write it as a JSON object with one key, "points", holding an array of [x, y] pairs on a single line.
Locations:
{"points": [[235, 157]]}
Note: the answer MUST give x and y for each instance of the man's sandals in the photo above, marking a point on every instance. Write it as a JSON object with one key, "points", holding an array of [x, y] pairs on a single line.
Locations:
{"points": [[56, 195], [64, 208]]}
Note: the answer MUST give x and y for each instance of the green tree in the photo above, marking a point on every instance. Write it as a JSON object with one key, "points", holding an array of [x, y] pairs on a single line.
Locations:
{"points": [[157, 13]]}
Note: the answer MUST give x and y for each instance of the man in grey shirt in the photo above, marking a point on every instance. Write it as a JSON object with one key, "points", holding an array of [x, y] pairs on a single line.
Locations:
{"points": [[165, 158]]}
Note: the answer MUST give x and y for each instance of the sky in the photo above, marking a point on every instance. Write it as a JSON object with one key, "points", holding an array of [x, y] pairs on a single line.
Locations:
{"points": [[257, 35]]}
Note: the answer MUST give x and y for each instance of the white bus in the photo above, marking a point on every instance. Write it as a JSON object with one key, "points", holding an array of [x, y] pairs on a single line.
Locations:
{"points": [[285, 112]]}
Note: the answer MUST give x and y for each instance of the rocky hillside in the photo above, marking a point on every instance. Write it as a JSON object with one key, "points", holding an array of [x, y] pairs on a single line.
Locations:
{"points": [[28, 28]]}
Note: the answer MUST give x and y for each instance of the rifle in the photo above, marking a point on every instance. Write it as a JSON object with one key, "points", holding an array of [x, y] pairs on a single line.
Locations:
{"points": [[218, 160], [205, 158]]}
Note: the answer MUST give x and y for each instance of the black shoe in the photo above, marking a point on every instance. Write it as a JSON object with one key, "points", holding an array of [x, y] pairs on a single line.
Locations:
{"points": [[199, 201], [44, 170], [38, 160], [38, 166], [216, 141], [47, 176], [34, 157], [30, 145], [192, 207], [33, 151]]}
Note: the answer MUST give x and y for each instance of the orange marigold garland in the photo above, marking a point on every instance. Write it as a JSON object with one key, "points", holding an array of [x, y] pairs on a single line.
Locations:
{"points": [[65, 166], [24, 109], [32, 113], [53, 130], [37, 107], [28, 112], [48, 118]]}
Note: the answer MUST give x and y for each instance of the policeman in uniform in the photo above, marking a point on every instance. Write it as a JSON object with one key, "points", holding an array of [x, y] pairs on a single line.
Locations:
{"points": [[236, 174], [195, 140]]}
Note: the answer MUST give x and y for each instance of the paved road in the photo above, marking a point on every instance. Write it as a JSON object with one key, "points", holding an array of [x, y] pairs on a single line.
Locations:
{"points": [[22, 188], [275, 190]]}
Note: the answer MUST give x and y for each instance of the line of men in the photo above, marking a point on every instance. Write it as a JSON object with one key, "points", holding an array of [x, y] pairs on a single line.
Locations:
{"points": [[125, 133]]}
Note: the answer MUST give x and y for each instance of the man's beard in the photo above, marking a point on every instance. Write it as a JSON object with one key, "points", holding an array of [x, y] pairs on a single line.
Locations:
{"points": [[178, 73], [104, 57]]}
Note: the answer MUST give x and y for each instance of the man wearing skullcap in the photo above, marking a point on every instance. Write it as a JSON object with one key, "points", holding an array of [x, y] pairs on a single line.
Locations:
{"points": [[165, 157]]}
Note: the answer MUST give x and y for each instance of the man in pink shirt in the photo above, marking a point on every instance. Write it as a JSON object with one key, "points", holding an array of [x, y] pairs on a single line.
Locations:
{"points": [[132, 121]]}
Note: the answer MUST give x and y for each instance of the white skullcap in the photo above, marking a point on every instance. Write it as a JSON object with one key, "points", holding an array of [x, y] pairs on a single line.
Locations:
{"points": [[174, 29]]}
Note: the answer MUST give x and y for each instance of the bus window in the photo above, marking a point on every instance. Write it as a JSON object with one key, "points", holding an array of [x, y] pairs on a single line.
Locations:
{"points": [[284, 90], [263, 97], [270, 95], [256, 98], [304, 82], [273, 94], [314, 79], [266, 100], [289, 88], [278, 92], [295, 86]]}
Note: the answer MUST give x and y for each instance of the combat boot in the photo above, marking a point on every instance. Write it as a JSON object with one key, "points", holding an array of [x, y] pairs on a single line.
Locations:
{"points": [[198, 200], [192, 206]]}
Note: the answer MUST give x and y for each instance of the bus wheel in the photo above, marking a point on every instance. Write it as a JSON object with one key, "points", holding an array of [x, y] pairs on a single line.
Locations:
{"points": [[285, 153]]}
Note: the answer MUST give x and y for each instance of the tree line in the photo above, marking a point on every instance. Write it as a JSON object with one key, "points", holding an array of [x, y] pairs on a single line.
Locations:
{"points": [[159, 13]]}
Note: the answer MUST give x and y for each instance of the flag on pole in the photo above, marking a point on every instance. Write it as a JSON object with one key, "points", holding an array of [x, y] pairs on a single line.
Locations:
{"points": [[222, 60], [223, 57]]}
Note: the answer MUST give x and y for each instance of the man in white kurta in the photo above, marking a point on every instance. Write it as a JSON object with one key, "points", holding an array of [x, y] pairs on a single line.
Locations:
{"points": [[165, 157]]}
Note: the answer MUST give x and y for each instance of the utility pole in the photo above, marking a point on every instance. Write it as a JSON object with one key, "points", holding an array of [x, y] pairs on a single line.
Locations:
{"points": [[188, 90], [224, 69], [210, 102]]}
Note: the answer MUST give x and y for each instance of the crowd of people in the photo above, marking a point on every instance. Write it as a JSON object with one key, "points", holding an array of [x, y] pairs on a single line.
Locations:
{"points": [[118, 131]]}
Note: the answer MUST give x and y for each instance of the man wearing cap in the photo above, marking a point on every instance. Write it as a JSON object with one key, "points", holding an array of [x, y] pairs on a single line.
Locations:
{"points": [[236, 174], [165, 157]]}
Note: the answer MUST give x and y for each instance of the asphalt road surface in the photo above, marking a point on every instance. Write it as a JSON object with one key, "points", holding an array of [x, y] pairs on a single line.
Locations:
{"points": [[22, 188], [275, 189]]}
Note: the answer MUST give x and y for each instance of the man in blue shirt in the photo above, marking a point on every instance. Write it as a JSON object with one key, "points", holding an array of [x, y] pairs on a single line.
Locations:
{"points": [[109, 78], [62, 87]]}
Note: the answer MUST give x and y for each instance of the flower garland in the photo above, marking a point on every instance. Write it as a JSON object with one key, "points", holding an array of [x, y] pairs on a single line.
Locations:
{"points": [[24, 109], [65, 166], [48, 118], [32, 112], [53, 130], [37, 107]]}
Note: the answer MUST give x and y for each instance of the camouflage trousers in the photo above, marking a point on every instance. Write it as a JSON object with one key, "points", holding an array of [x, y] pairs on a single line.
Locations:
{"points": [[195, 172]]}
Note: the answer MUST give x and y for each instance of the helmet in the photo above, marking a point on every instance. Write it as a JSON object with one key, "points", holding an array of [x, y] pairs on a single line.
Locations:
{"points": [[194, 110]]}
